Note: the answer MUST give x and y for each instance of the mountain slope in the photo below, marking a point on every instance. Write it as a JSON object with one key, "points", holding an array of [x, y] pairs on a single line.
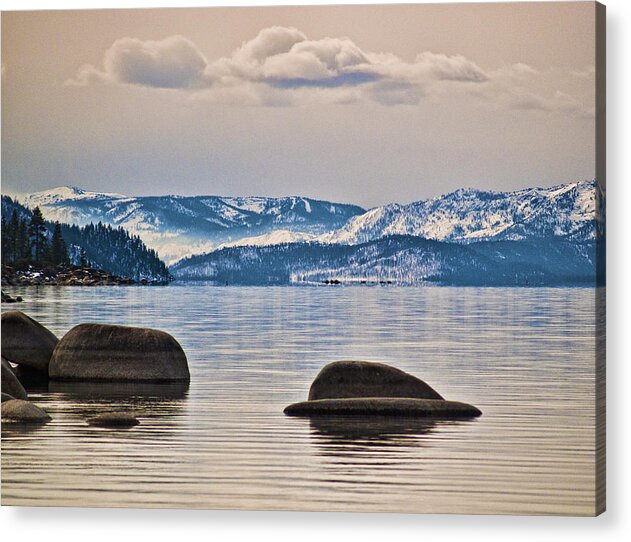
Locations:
{"points": [[177, 226], [106, 248], [401, 260], [470, 215]]}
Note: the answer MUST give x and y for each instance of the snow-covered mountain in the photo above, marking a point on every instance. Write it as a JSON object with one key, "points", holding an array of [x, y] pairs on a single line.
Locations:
{"points": [[468, 215], [536, 236], [178, 226], [402, 260]]}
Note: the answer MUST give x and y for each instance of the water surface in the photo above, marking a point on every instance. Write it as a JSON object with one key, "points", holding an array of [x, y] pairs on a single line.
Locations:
{"points": [[524, 356]]}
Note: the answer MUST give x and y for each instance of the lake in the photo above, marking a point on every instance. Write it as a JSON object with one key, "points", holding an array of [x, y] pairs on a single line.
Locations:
{"points": [[524, 356]]}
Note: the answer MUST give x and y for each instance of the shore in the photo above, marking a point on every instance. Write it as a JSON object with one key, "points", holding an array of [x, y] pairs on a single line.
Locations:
{"points": [[68, 276]]}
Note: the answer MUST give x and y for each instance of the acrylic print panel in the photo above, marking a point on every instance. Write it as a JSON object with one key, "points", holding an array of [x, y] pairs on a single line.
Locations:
{"points": [[340, 258]]}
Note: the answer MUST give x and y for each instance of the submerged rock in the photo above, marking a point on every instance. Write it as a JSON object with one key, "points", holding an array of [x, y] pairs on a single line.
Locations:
{"points": [[25, 341], [6, 298], [114, 419], [10, 383], [19, 411], [384, 406], [345, 379], [102, 352]]}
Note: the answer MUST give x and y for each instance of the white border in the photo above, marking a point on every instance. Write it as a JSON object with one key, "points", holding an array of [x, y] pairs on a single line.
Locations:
{"points": [[66, 525]]}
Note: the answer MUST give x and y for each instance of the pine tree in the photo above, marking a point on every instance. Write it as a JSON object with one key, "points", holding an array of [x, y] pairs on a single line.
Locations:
{"points": [[82, 259], [58, 248], [23, 248], [37, 235], [14, 241], [6, 241]]}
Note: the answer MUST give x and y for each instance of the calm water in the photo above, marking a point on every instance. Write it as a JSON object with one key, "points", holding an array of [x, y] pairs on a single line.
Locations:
{"points": [[525, 357]]}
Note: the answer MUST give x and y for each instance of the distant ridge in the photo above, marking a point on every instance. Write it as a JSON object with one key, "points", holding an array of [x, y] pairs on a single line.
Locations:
{"points": [[178, 226], [469, 215], [187, 230]]}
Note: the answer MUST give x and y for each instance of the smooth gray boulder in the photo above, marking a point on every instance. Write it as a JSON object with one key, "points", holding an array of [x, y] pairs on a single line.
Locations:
{"points": [[19, 411], [25, 341], [10, 383], [103, 352], [114, 419], [383, 406], [348, 379]]}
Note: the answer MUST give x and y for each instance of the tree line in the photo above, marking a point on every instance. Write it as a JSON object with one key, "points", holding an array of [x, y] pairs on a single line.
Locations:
{"points": [[28, 242]]}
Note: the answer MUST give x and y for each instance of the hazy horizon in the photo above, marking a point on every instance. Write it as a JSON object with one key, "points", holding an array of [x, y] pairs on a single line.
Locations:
{"points": [[17, 195], [414, 102]]}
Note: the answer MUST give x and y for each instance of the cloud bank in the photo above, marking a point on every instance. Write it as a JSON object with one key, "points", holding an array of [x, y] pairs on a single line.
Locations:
{"points": [[281, 66]]}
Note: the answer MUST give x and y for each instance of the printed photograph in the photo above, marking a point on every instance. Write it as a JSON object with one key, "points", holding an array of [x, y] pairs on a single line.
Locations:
{"points": [[309, 258]]}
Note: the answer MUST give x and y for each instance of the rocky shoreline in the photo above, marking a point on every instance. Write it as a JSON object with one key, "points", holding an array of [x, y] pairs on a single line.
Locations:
{"points": [[88, 353], [99, 354], [68, 276]]}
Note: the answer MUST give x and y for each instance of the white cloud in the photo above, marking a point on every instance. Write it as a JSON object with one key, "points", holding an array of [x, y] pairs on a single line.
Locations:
{"points": [[282, 67], [173, 62]]}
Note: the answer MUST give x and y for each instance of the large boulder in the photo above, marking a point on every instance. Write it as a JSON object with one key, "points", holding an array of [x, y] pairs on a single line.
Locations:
{"points": [[100, 352], [346, 379], [25, 341], [19, 411], [10, 383]]}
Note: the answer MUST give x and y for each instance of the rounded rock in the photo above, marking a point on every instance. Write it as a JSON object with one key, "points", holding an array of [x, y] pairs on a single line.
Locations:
{"points": [[25, 341], [103, 352], [19, 411], [348, 379]]}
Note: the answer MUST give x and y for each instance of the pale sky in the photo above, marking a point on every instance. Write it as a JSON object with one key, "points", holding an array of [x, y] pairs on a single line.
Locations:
{"points": [[361, 104]]}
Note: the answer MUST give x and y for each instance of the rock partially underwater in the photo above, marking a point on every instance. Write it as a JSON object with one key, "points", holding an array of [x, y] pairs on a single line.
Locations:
{"points": [[19, 411], [114, 419], [362, 388], [384, 406], [348, 379], [103, 352]]}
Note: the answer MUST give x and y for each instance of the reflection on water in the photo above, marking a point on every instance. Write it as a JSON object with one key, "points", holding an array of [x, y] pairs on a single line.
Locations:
{"points": [[343, 436], [525, 357], [157, 392]]}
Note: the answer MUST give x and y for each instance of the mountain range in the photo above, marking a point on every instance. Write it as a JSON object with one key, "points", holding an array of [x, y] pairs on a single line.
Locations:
{"points": [[178, 226], [530, 236]]}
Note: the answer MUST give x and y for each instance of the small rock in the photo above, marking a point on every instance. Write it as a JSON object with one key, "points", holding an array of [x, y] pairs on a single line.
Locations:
{"points": [[19, 411], [114, 419], [6, 397]]}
